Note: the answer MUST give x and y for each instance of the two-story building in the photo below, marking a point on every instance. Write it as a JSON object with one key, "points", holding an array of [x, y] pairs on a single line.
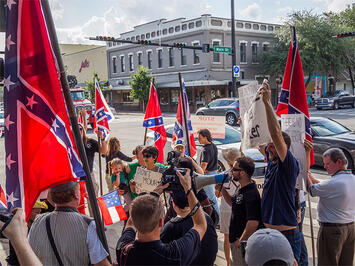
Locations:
{"points": [[207, 75]]}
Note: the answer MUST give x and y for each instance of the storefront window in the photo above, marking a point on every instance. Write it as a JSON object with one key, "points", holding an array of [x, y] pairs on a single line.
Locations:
{"points": [[164, 96], [174, 96]]}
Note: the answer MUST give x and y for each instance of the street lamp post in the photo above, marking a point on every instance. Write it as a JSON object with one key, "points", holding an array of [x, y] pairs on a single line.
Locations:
{"points": [[110, 87]]}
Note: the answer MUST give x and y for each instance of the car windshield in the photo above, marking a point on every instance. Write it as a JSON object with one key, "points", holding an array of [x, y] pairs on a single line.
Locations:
{"points": [[327, 128], [77, 95], [231, 136]]}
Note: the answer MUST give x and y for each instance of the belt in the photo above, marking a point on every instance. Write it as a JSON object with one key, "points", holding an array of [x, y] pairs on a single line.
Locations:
{"points": [[335, 224], [289, 232]]}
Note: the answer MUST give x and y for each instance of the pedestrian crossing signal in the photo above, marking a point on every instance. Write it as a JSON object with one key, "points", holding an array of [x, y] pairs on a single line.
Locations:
{"points": [[145, 42], [180, 45], [345, 34]]}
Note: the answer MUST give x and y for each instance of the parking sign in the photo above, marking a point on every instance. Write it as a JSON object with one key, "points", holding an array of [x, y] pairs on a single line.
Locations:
{"points": [[236, 71]]}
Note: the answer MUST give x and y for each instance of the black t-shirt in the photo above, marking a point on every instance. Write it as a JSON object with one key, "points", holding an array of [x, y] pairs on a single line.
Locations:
{"points": [[246, 205], [179, 252], [209, 155], [118, 155], [177, 227], [91, 147]]}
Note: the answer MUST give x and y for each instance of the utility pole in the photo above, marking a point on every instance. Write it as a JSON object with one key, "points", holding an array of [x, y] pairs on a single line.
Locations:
{"points": [[234, 56]]}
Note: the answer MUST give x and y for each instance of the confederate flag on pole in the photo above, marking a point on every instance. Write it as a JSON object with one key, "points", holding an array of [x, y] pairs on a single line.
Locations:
{"points": [[293, 99], [154, 121], [179, 128], [103, 114], [39, 145]]}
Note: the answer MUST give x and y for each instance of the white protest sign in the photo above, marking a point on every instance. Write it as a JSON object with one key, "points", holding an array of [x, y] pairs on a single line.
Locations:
{"points": [[146, 180], [215, 124], [252, 113], [294, 126]]}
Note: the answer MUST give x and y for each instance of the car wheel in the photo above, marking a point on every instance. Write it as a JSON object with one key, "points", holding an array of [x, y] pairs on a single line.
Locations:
{"points": [[336, 105], [220, 167], [353, 105], [199, 113], [231, 119], [350, 161], [319, 108]]}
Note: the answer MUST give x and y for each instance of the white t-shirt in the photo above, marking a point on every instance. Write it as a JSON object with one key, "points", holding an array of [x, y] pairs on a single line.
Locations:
{"points": [[231, 189]]}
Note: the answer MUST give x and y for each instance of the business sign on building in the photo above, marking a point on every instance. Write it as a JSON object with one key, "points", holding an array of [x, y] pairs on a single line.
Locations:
{"points": [[215, 124]]}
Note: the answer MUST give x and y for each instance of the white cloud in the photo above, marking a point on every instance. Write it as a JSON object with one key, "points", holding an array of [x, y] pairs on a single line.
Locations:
{"points": [[335, 5], [124, 15], [252, 12], [57, 9]]}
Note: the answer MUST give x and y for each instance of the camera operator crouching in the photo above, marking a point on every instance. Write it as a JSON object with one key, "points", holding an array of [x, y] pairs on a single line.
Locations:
{"points": [[147, 218]]}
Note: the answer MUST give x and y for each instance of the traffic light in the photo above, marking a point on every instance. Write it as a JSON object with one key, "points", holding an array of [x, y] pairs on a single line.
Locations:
{"points": [[179, 45], [105, 38], [345, 34], [145, 42]]}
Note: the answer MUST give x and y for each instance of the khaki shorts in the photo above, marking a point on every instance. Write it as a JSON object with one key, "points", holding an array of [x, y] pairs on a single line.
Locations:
{"points": [[225, 221]]}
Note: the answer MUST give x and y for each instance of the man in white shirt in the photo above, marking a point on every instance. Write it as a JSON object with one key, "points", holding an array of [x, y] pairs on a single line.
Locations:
{"points": [[336, 210]]}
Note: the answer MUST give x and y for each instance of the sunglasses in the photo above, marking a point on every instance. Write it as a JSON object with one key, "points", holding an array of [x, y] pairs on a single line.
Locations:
{"points": [[149, 193], [236, 169], [147, 155]]}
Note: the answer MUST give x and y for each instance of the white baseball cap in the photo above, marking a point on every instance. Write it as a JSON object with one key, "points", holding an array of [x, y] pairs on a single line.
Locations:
{"points": [[268, 244]]}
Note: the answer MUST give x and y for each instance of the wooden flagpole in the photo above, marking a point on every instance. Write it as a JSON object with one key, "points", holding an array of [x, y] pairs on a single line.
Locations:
{"points": [[184, 115], [74, 124], [146, 129]]}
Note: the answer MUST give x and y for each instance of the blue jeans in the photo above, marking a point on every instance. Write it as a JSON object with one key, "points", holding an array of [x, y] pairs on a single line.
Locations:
{"points": [[304, 254], [295, 240], [211, 196]]}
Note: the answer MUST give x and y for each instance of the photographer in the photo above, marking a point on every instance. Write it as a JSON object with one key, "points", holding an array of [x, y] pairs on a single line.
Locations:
{"points": [[147, 219], [246, 210]]}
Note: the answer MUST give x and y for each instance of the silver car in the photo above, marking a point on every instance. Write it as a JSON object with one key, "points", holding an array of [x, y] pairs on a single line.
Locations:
{"points": [[232, 140]]}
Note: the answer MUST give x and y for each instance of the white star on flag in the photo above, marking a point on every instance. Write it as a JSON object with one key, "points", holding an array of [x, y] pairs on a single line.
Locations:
{"points": [[10, 3], [11, 199], [54, 125], [9, 42], [8, 122], [8, 82], [149, 122], [31, 101], [9, 161]]}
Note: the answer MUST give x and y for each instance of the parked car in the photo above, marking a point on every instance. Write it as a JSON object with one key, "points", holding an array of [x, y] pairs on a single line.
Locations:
{"points": [[335, 100], [2, 127], [327, 134], [232, 140], [222, 107]]}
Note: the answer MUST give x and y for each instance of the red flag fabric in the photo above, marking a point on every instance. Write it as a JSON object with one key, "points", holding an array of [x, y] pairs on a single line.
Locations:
{"points": [[111, 208], [293, 99], [154, 121], [179, 128], [2, 198], [39, 145]]}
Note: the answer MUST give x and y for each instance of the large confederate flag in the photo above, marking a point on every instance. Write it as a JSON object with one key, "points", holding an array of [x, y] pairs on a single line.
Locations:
{"points": [[39, 145]]}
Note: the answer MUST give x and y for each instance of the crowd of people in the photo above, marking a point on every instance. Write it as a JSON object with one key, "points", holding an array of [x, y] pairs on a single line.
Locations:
{"points": [[258, 229]]}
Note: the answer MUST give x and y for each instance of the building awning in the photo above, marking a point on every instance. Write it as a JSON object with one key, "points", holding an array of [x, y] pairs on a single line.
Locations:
{"points": [[193, 83]]}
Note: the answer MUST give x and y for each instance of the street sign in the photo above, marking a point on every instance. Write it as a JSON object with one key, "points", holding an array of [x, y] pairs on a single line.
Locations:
{"points": [[222, 49], [236, 71]]}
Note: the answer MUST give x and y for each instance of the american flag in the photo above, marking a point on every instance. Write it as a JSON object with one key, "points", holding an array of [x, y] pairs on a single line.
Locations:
{"points": [[103, 114], [39, 145], [179, 127], [111, 208]]}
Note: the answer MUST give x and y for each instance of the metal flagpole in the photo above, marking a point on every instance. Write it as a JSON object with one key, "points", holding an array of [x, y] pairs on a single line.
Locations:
{"points": [[74, 124], [99, 141], [312, 232], [146, 129], [184, 115]]}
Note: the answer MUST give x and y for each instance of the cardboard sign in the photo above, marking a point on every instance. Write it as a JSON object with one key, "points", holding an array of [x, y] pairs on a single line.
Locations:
{"points": [[259, 182], [294, 126], [146, 180], [252, 113], [215, 124]]}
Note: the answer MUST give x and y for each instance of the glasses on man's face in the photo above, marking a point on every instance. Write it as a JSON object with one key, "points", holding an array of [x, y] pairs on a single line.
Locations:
{"points": [[236, 169], [147, 155]]}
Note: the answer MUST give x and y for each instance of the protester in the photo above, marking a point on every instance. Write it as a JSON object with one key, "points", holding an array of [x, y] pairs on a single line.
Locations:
{"points": [[74, 235], [150, 156], [209, 162], [147, 219], [16, 233], [336, 210], [182, 223], [246, 212], [278, 203], [230, 155], [269, 247], [114, 151], [180, 146]]}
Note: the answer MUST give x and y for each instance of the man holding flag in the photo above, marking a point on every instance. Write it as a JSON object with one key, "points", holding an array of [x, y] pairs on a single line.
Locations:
{"points": [[154, 121]]}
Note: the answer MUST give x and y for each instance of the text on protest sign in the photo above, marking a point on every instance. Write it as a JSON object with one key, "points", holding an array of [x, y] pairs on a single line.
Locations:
{"points": [[294, 126], [254, 127], [146, 180], [215, 124]]}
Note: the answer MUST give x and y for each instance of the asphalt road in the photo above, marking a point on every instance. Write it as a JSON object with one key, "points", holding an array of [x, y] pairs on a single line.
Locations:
{"points": [[128, 128]]}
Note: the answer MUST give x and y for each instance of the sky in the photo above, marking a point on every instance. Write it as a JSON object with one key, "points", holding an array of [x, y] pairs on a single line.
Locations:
{"points": [[77, 19]]}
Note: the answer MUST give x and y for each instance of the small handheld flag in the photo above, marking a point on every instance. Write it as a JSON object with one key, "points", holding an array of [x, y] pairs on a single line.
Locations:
{"points": [[111, 208]]}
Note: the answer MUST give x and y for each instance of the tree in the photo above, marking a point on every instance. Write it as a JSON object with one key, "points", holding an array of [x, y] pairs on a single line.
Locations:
{"points": [[140, 84], [320, 53], [90, 88]]}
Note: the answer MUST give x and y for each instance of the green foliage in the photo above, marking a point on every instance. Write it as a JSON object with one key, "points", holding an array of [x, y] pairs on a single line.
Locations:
{"points": [[320, 53], [140, 84], [90, 88]]}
